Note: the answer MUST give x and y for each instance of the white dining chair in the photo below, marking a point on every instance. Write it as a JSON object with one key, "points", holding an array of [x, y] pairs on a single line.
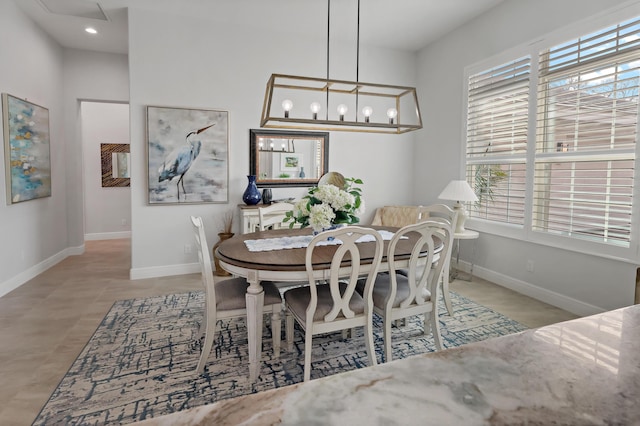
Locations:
{"points": [[323, 308], [450, 216], [397, 296], [226, 299], [272, 217]]}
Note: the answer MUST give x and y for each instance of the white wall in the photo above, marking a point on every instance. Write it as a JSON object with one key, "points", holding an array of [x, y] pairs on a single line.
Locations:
{"points": [[182, 62], [580, 283], [33, 234], [88, 76], [39, 233], [107, 211]]}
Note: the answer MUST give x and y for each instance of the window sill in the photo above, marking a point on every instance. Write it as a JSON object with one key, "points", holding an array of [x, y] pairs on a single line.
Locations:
{"points": [[620, 254]]}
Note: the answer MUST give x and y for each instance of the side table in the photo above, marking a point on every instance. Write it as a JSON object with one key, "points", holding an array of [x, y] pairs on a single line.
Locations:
{"points": [[467, 234]]}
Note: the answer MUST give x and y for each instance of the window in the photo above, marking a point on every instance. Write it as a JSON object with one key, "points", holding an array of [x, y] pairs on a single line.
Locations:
{"points": [[497, 116], [586, 133], [583, 143]]}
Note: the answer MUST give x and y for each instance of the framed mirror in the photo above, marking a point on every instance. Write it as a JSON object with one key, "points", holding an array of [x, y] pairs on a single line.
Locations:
{"points": [[115, 164], [281, 158]]}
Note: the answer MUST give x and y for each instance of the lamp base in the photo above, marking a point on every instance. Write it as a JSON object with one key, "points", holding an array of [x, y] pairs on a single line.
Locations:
{"points": [[462, 217]]}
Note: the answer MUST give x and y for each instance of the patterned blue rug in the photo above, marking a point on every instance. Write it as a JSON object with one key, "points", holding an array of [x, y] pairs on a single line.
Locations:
{"points": [[141, 361]]}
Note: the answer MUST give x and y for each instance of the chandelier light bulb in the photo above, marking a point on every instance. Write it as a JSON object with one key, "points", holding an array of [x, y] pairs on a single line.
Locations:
{"points": [[286, 106], [315, 109], [367, 111], [392, 113], [342, 110]]}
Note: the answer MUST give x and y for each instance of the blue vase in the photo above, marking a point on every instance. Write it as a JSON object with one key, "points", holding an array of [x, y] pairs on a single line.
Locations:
{"points": [[302, 175], [251, 195]]}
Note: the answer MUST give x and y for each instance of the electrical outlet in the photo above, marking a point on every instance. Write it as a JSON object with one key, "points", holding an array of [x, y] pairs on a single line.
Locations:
{"points": [[124, 222], [530, 265], [187, 248]]}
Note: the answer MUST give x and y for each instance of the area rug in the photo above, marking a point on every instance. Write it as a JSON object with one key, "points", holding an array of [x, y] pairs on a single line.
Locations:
{"points": [[141, 361]]}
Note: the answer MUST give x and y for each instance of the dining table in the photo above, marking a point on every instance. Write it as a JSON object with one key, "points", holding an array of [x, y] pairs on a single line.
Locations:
{"points": [[279, 256]]}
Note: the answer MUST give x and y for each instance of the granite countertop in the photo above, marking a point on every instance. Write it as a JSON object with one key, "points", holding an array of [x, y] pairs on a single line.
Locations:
{"points": [[580, 372]]}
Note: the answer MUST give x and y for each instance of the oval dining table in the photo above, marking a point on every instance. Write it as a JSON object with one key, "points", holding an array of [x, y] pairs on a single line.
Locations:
{"points": [[288, 265]]}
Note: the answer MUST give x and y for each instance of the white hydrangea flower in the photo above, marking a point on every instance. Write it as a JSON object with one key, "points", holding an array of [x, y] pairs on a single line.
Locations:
{"points": [[300, 208], [336, 197], [321, 216]]}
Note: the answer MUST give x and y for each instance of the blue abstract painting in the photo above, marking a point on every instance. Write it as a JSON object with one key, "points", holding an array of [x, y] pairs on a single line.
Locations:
{"points": [[27, 150]]}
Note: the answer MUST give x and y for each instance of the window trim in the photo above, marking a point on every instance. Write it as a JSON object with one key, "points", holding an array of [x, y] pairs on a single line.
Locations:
{"points": [[526, 233]]}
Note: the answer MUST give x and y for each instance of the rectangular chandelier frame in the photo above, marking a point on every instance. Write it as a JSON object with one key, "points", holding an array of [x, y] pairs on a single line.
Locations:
{"points": [[404, 99]]}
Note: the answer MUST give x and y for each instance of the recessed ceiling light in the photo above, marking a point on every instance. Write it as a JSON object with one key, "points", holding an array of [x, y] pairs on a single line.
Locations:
{"points": [[91, 30]]}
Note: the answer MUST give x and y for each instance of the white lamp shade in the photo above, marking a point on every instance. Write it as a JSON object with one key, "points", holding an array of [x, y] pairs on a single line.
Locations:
{"points": [[458, 190]]}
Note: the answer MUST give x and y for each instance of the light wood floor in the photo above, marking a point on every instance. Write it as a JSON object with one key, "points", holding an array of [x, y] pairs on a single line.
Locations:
{"points": [[45, 323]]}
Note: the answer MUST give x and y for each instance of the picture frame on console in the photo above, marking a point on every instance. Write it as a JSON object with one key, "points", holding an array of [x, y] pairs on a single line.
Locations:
{"points": [[187, 155]]}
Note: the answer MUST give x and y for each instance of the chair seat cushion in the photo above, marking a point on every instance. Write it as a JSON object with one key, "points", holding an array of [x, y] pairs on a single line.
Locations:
{"points": [[382, 287], [298, 299], [230, 294]]}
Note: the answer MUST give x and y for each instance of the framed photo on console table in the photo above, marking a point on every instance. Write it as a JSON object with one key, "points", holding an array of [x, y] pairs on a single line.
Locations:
{"points": [[26, 149], [188, 155]]}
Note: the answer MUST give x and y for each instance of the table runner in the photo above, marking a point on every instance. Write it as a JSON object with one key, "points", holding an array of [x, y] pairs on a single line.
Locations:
{"points": [[302, 241]]}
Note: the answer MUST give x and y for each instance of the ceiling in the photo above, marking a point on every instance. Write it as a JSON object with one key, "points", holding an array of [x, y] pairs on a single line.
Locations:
{"points": [[401, 24]]}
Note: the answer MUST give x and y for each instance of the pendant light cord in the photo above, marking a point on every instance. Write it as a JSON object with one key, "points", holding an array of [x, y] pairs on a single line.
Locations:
{"points": [[358, 62], [328, 32], [357, 55], [358, 47]]}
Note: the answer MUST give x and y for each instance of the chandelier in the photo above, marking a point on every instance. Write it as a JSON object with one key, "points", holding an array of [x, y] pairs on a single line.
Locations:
{"points": [[296, 102]]}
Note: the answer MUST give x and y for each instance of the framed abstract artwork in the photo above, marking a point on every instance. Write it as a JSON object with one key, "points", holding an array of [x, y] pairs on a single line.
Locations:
{"points": [[188, 155], [26, 149]]}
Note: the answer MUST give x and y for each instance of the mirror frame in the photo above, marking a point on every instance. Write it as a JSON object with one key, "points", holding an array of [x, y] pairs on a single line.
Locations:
{"points": [[254, 153], [106, 161]]}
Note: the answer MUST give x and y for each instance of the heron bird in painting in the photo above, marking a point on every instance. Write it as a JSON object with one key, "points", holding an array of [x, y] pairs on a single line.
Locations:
{"points": [[180, 160]]}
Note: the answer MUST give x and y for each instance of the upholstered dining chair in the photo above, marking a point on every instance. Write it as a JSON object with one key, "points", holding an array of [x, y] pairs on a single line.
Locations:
{"points": [[271, 217], [226, 299], [322, 308], [446, 213], [397, 296]]}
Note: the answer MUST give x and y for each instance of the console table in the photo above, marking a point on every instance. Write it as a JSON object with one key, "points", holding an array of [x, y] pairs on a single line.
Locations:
{"points": [[249, 218]]}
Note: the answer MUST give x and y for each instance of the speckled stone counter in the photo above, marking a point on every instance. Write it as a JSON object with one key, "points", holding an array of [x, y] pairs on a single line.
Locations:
{"points": [[580, 372]]}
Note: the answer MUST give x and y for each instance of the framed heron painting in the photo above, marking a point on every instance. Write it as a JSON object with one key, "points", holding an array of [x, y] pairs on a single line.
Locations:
{"points": [[188, 155], [26, 149]]}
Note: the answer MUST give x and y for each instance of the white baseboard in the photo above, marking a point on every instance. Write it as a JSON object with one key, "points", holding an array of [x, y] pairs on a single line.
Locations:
{"points": [[35, 270], [547, 296], [107, 236], [163, 271]]}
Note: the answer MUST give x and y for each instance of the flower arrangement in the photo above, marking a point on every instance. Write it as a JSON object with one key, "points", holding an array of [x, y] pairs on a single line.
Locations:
{"points": [[327, 205]]}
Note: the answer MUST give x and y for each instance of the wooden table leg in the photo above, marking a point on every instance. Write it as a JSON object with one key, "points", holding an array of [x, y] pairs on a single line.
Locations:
{"points": [[255, 306]]}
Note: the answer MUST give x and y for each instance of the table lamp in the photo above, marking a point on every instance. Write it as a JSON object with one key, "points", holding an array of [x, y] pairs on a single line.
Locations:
{"points": [[459, 191]]}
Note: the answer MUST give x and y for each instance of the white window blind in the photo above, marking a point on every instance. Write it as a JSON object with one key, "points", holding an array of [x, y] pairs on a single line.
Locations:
{"points": [[497, 116], [586, 135]]}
